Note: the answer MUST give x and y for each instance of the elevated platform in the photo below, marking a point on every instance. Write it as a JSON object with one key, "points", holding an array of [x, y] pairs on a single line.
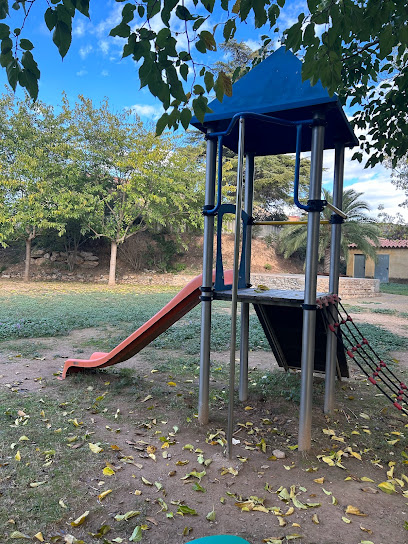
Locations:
{"points": [[281, 316]]}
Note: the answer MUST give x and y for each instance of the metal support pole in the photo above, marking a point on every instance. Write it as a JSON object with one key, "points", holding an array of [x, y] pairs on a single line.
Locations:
{"points": [[309, 314], [335, 246], [234, 295], [244, 345], [205, 346]]}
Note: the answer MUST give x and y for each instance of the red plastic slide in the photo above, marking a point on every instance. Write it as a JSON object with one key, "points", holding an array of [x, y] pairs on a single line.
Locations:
{"points": [[177, 308]]}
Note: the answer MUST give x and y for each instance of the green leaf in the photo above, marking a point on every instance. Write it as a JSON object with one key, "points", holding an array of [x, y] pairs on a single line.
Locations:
{"points": [[209, 81], [200, 107], [83, 7], [28, 80], [184, 71], [184, 509], [6, 45], [122, 30], [198, 89], [4, 31], [208, 40], [13, 69], [211, 515], [183, 14], [27, 60], [50, 18], [198, 22], [136, 535], [223, 86], [168, 7], [4, 9], [200, 46], [208, 4], [26, 44], [162, 37], [62, 37], [260, 13], [229, 29], [161, 124], [198, 487], [153, 8], [128, 13]]}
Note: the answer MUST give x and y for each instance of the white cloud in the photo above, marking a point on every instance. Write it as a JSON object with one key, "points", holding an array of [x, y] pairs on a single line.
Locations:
{"points": [[375, 183], [252, 44], [113, 19], [145, 110], [82, 73], [380, 191], [104, 73], [104, 46], [79, 28], [85, 51]]}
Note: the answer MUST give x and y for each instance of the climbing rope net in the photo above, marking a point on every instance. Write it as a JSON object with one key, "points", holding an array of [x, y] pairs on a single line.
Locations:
{"points": [[358, 348]]}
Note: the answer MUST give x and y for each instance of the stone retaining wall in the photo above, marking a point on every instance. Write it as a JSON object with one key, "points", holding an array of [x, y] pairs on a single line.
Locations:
{"points": [[348, 287]]}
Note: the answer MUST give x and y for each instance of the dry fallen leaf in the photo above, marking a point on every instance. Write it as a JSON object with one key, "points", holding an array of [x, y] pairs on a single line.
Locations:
{"points": [[79, 521], [319, 480], [387, 487], [104, 494], [95, 448], [354, 510], [18, 534]]}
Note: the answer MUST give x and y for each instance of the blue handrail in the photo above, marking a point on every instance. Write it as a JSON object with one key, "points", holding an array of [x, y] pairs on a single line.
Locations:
{"points": [[273, 120]]}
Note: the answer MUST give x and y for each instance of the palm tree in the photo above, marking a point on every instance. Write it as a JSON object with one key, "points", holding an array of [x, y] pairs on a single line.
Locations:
{"points": [[358, 229]]}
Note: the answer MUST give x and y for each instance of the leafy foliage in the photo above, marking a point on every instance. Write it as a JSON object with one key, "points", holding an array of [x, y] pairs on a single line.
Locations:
{"points": [[361, 54], [90, 169], [274, 182], [392, 227], [399, 175], [357, 229]]}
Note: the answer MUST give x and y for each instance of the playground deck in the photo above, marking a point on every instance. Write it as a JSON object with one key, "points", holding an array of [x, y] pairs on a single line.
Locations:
{"points": [[271, 297], [281, 316]]}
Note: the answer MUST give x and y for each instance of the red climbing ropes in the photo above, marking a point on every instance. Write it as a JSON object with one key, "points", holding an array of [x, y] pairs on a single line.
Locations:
{"points": [[358, 348]]}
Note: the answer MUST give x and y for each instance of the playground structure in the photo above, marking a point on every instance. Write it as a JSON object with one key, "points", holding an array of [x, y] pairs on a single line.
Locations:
{"points": [[271, 112]]}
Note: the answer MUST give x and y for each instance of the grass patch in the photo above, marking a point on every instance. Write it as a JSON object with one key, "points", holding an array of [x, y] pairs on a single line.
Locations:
{"points": [[382, 340], [58, 313], [281, 384], [50, 468], [185, 334], [25, 348], [394, 288], [385, 311]]}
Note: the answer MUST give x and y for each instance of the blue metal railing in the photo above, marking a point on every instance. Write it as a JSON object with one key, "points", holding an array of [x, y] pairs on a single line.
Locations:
{"points": [[266, 118]]}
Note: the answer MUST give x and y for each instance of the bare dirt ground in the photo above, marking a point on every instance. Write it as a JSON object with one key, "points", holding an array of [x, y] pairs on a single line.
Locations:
{"points": [[256, 495]]}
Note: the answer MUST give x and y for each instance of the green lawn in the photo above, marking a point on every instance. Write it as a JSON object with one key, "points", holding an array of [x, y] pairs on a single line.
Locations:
{"points": [[394, 288]]}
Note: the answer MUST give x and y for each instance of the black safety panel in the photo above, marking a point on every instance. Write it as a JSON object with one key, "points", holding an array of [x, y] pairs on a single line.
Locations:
{"points": [[283, 329]]}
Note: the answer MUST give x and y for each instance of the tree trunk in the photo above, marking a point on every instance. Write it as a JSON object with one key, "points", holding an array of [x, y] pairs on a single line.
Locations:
{"points": [[112, 265], [326, 263], [27, 260]]}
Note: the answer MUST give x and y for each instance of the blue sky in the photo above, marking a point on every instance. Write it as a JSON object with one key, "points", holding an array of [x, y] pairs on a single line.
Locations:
{"points": [[93, 67]]}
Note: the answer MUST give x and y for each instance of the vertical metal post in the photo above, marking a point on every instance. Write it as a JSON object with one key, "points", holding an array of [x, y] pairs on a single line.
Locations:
{"points": [[244, 345], [238, 206], [335, 246], [309, 315], [208, 246]]}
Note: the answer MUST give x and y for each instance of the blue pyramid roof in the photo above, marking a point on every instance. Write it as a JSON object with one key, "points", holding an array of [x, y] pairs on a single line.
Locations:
{"points": [[274, 87]]}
